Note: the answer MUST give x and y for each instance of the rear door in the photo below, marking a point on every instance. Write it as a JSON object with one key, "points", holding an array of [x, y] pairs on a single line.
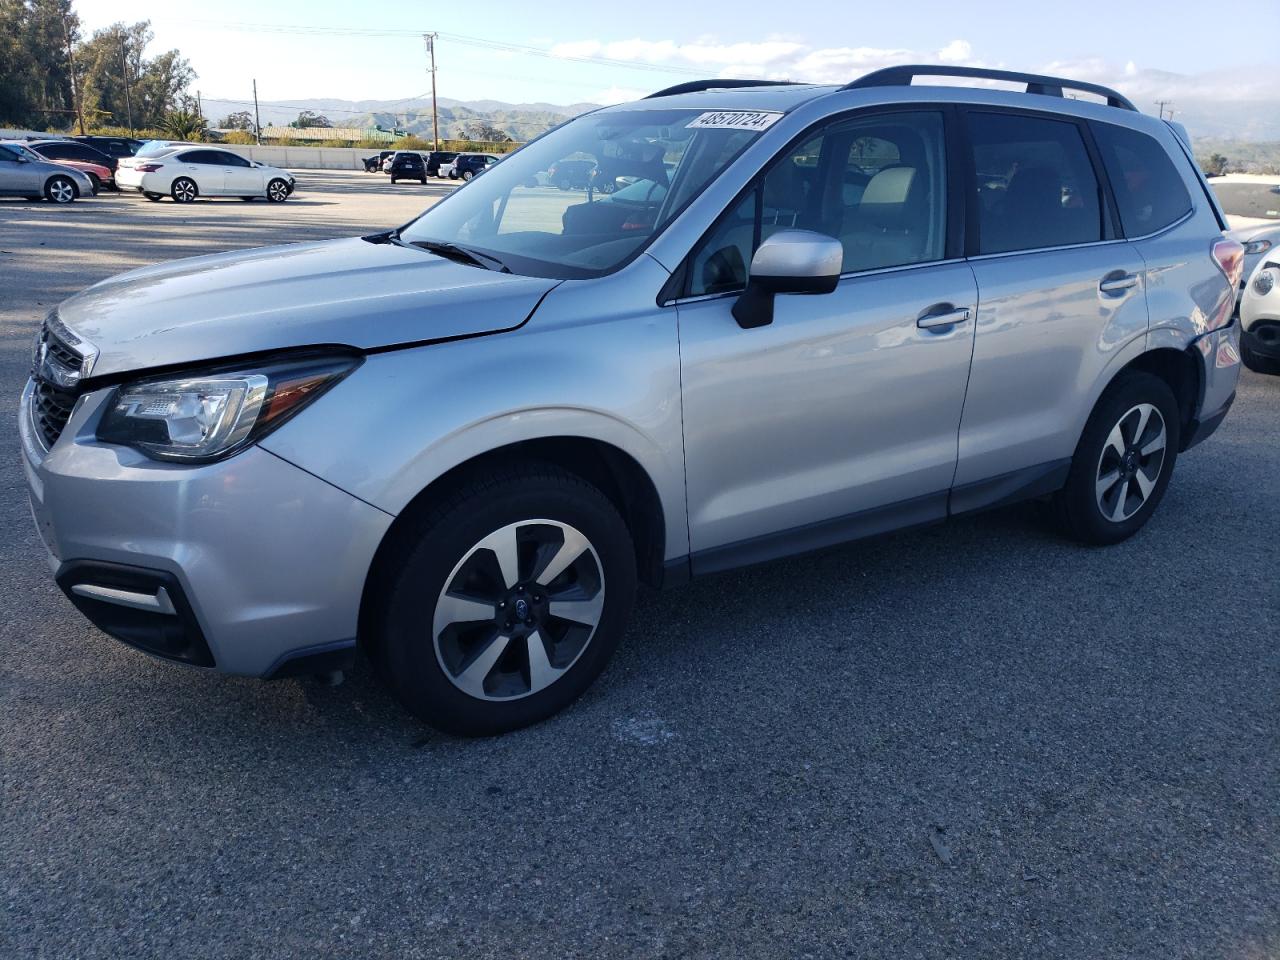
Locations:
{"points": [[205, 168], [1060, 297]]}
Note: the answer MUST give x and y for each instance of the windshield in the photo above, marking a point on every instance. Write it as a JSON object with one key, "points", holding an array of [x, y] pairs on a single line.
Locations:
{"points": [[1245, 198], [588, 196]]}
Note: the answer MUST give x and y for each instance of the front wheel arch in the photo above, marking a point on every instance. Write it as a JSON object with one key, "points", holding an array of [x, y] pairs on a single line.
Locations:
{"points": [[611, 470]]}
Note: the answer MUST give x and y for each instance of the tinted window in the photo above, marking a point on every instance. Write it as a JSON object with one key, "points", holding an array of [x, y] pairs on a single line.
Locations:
{"points": [[198, 156], [1036, 185], [878, 184], [7, 154], [229, 159], [1149, 192], [58, 151]]}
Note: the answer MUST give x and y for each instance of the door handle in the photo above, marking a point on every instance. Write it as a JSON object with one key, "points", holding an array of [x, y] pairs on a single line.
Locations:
{"points": [[1117, 282], [948, 318]]}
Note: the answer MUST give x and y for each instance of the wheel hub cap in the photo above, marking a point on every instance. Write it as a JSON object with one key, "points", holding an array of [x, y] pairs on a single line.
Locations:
{"points": [[518, 610], [1131, 462]]}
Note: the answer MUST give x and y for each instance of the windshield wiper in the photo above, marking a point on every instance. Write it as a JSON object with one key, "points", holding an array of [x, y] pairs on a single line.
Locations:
{"points": [[461, 254]]}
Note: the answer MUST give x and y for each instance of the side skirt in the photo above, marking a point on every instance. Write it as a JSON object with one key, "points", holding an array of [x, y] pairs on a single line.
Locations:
{"points": [[1025, 484]]}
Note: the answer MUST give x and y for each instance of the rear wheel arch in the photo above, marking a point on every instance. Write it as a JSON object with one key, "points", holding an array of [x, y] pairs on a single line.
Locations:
{"points": [[1181, 370], [611, 470]]}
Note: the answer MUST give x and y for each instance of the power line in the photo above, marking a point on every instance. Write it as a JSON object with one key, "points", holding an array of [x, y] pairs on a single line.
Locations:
{"points": [[465, 39]]}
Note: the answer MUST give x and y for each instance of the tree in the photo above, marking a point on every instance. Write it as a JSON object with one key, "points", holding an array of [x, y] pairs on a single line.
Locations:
{"points": [[1215, 166], [183, 123], [308, 119], [240, 120], [113, 58], [35, 72], [480, 130]]}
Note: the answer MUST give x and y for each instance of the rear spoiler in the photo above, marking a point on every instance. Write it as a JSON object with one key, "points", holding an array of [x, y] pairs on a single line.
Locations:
{"points": [[1184, 141]]}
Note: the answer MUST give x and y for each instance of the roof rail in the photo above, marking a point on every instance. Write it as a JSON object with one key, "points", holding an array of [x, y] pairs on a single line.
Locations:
{"points": [[695, 86], [1048, 86]]}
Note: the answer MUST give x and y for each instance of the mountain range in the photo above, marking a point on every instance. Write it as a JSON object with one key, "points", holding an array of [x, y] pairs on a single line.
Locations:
{"points": [[1238, 120]]}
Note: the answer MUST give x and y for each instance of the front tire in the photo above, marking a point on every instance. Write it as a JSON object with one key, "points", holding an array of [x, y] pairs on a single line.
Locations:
{"points": [[1123, 462], [60, 190], [184, 190], [506, 601], [1258, 363], [278, 191]]}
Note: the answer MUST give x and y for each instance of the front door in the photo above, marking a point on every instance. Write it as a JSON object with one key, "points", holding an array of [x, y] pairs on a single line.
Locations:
{"points": [[840, 418]]}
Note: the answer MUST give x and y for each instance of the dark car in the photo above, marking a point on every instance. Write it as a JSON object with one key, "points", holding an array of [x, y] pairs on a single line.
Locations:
{"points": [[374, 164], [571, 174], [408, 165], [436, 157], [74, 150], [116, 147], [469, 165]]}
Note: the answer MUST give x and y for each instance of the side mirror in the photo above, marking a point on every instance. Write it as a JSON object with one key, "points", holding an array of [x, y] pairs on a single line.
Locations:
{"points": [[791, 261]]}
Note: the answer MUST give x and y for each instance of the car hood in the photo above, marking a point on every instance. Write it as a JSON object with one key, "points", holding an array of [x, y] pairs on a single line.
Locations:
{"points": [[352, 292]]}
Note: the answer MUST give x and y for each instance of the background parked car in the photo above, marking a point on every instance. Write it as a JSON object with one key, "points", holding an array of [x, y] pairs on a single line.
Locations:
{"points": [[24, 177], [1260, 317], [113, 146], [438, 157], [408, 165], [98, 175], [203, 171], [73, 150], [468, 165], [154, 148], [374, 164], [1252, 205], [571, 174]]}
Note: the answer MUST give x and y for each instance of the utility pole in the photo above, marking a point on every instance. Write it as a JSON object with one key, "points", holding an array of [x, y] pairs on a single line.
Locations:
{"points": [[200, 109], [435, 123], [1162, 104], [257, 123], [124, 69], [75, 88]]}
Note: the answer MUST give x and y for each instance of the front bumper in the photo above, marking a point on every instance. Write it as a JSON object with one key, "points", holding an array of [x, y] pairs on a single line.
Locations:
{"points": [[260, 561]]}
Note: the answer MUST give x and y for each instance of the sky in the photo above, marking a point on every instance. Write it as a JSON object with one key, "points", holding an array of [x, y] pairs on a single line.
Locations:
{"points": [[568, 52]]}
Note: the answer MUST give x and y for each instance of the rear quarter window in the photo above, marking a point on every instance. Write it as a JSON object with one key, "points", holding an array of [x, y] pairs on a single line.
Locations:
{"points": [[1149, 191]]}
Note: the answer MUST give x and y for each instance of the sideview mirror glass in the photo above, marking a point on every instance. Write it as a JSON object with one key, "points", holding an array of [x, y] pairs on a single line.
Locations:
{"points": [[790, 261]]}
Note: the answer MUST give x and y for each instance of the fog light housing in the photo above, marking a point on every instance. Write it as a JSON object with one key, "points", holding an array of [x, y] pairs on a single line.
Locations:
{"points": [[1264, 282]]}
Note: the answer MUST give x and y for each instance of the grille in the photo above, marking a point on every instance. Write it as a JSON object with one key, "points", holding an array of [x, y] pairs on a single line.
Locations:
{"points": [[50, 411], [61, 352]]}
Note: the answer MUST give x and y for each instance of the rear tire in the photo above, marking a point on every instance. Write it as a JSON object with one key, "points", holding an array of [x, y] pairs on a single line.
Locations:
{"points": [[60, 190], [184, 190], [1123, 462], [467, 175], [153, 197], [473, 667], [248, 199]]}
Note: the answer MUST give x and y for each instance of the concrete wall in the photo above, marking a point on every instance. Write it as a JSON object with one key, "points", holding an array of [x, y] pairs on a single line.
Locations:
{"points": [[304, 158]]}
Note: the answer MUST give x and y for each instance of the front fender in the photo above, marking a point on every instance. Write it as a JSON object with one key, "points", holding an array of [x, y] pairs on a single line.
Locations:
{"points": [[406, 417]]}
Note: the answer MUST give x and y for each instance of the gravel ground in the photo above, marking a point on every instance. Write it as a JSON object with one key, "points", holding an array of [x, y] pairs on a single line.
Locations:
{"points": [[974, 740]]}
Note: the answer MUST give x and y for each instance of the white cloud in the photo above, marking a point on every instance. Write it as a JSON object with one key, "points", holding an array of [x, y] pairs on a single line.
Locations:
{"points": [[957, 51]]}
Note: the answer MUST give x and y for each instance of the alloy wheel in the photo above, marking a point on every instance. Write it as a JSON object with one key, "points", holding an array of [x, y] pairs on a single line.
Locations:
{"points": [[518, 610], [184, 191], [1130, 464], [62, 191], [277, 191]]}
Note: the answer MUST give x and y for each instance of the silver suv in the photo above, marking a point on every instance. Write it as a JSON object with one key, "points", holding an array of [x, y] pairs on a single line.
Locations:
{"points": [[777, 317]]}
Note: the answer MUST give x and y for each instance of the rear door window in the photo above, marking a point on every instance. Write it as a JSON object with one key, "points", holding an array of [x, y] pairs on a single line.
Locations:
{"points": [[1036, 186], [1149, 193]]}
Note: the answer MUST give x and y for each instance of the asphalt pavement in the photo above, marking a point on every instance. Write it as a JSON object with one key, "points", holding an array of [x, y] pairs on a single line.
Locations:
{"points": [[972, 740]]}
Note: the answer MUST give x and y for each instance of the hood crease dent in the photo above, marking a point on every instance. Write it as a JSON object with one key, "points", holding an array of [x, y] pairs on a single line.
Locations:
{"points": [[333, 293]]}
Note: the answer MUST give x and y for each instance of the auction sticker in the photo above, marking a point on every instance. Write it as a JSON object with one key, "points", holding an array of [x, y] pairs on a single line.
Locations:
{"points": [[736, 120]]}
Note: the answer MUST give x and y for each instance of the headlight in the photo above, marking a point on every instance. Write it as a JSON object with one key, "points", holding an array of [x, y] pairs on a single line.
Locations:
{"points": [[1263, 283], [1257, 246], [210, 415]]}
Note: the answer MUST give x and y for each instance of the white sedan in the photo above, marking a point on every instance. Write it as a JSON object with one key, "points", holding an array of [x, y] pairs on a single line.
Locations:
{"points": [[1260, 317], [189, 172]]}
